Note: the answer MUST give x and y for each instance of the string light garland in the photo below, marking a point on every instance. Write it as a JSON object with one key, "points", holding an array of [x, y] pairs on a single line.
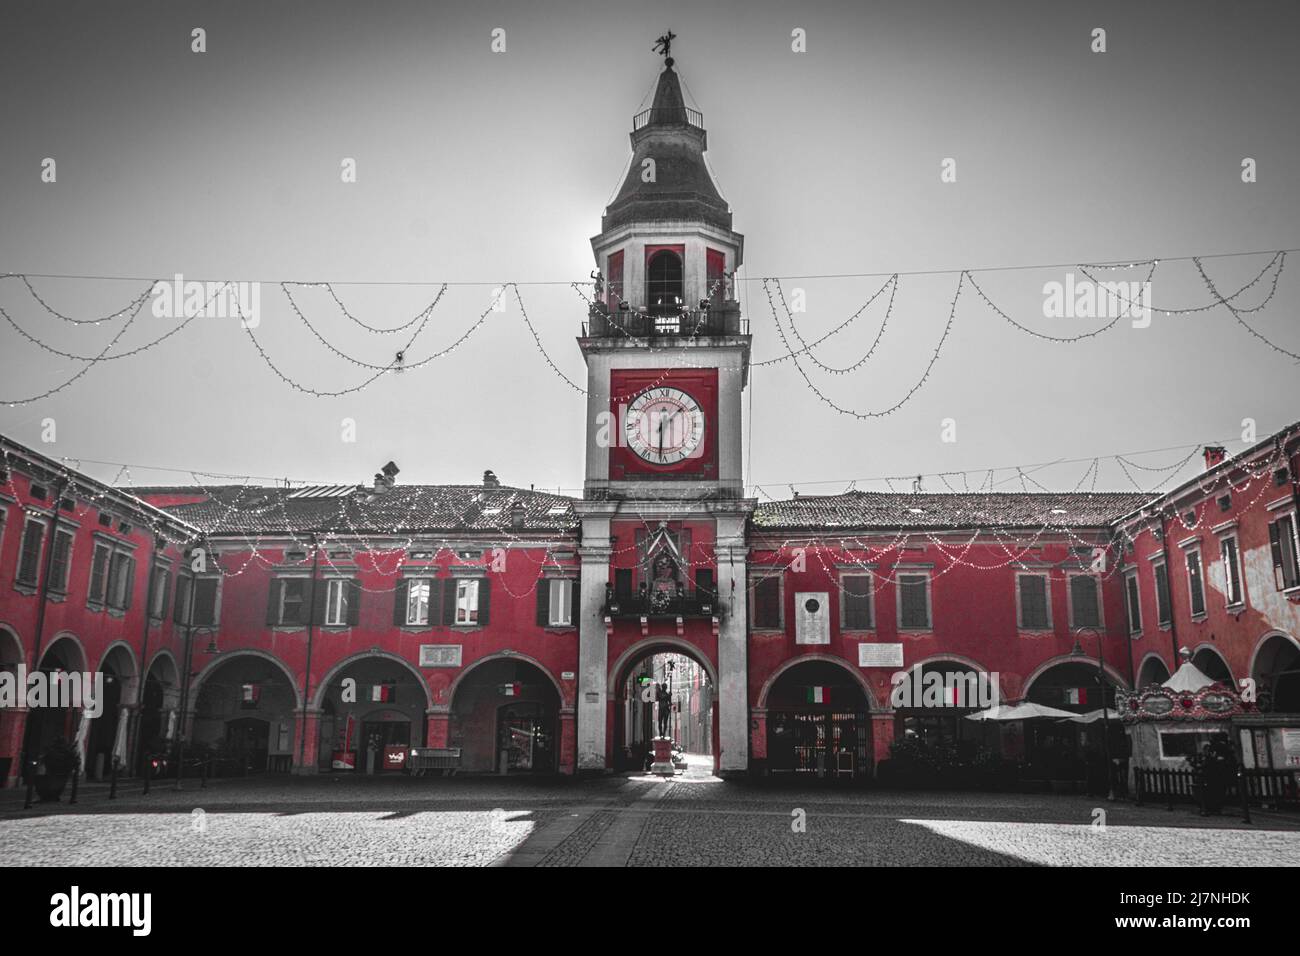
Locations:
{"points": [[1237, 313], [952, 313], [422, 317], [843, 325], [884, 323]]}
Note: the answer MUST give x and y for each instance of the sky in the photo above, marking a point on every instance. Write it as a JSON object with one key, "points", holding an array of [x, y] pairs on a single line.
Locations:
{"points": [[478, 168]]}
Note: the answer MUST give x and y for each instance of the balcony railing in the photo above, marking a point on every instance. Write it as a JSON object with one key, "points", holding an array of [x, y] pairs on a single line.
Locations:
{"points": [[682, 116], [721, 319], [661, 604]]}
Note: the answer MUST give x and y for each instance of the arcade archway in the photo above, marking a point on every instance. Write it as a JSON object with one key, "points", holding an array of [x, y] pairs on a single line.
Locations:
{"points": [[11, 655], [1065, 749], [108, 732], [663, 685], [818, 722], [63, 659], [1276, 669], [1152, 671], [505, 718], [372, 711], [1211, 663], [244, 712], [158, 703]]}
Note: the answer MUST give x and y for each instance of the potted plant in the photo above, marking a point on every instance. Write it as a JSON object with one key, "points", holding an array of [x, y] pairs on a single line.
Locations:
{"points": [[57, 763]]}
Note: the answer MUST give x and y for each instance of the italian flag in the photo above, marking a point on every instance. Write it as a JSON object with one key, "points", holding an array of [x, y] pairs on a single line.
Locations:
{"points": [[512, 690], [819, 695], [1076, 695], [950, 696], [251, 693], [381, 692]]}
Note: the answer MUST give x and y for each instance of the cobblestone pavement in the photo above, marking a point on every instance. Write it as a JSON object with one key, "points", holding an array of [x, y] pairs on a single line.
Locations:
{"points": [[691, 820]]}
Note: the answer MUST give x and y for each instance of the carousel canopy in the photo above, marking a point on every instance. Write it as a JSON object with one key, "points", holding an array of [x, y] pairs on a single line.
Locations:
{"points": [[1025, 711], [1188, 679]]}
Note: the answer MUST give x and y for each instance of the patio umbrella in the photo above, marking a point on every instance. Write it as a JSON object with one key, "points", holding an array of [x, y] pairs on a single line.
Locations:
{"points": [[1092, 716], [83, 734], [1023, 711], [119, 743]]}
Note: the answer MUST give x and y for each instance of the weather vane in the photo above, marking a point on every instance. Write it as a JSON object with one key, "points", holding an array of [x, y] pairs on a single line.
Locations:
{"points": [[663, 46]]}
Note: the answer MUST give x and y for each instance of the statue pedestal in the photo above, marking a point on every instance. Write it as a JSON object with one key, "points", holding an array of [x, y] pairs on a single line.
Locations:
{"points": [[663, 763]]}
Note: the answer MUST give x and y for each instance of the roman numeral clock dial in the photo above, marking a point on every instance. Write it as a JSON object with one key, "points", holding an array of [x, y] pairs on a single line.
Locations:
{"points": [[664, 426]]}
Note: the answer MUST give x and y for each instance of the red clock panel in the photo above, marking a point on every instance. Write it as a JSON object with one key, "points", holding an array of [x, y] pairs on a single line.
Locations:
{"points": [[666, 423]]}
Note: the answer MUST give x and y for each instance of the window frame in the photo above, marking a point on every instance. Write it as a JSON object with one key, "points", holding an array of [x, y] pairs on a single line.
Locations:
{"points": [[1099, 606], [425, 582], [159, 588], [1163, 596], [899, 574], [1133, 602], [61, 587], [1046, 578], [1237, 599], [1195, 583], [869, 596], [304, 600], [338, 597], [469, 610], [30, 519], [1293, 540], [565, 604], [757, 580]]}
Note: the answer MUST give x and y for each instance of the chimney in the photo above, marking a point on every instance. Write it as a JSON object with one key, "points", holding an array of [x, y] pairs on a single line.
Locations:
{"points": [[490, 479], [1214, 455], [517, 515], [386, 478]]}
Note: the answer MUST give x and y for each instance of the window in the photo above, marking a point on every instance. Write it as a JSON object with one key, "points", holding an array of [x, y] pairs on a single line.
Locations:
{"points": [[336, 602], [1232, 571], [663, 283], [99, 574], [855, 610], [914, 601], [29, 559], [1035, 612], [1134, 601], [158, 596], [1195, 586], [121, 579], [555, 602], [1286, 552], [715, 265], [467, 601], [289, 602], [1085, 606], [60, 565], [196, 601], [1163, 610], [614, 279], [1184, 743], [416, 607], [767, 604]]}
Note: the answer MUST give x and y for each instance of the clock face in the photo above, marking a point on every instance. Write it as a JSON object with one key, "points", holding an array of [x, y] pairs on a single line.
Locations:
{"points": [[664, 426]]}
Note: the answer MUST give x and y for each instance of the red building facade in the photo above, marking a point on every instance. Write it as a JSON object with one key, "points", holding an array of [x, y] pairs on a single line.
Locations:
{"points": [[333, 629]]}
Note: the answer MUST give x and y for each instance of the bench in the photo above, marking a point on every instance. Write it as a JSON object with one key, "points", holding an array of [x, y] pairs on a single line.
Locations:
{"points": [[424, 759]]}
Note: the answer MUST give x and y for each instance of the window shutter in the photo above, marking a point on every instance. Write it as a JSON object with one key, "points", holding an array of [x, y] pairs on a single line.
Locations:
{"points": [[449, 601], [128, 569], [400, 596], [205, 601], [97, 568], [33, 535], [857, 603], [272, 607], [767, 603], [484, 593], [354, 602], [1274, 543], [704, 581], [435, 603], [543, 602], [575, 601], [313, 601], [622, 583], [182, 592]]}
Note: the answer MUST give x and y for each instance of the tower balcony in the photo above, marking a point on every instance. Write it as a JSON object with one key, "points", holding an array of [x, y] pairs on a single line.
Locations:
{"points": [[678, 115], [722, 318], [647, 604]]}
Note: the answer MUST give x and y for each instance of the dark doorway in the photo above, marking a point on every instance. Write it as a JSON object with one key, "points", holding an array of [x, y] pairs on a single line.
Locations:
{"points": [[248, 744], [387, 739], [525, 737]]}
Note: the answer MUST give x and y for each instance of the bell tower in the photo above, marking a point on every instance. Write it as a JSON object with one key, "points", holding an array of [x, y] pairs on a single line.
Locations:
{"points": [[667, 354]]}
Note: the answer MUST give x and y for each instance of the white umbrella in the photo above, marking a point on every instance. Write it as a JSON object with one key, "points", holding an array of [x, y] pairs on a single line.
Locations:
{"points": [[119, 744], [1092, 716], [83, 734], [1023, 711], [171, 725]]}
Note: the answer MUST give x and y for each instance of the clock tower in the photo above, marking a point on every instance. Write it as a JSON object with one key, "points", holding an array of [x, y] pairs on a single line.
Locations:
{"points": [[663, 510]]}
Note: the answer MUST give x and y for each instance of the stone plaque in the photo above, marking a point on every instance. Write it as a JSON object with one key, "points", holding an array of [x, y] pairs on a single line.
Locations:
{"points": [[880, 655], [440, 655]]}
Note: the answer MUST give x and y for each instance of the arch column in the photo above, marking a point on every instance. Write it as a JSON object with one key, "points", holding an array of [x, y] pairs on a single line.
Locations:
{"points": [[593, 646], [12, 722], [438, 724], [733, 647], [306, 742], [568, 755]]}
